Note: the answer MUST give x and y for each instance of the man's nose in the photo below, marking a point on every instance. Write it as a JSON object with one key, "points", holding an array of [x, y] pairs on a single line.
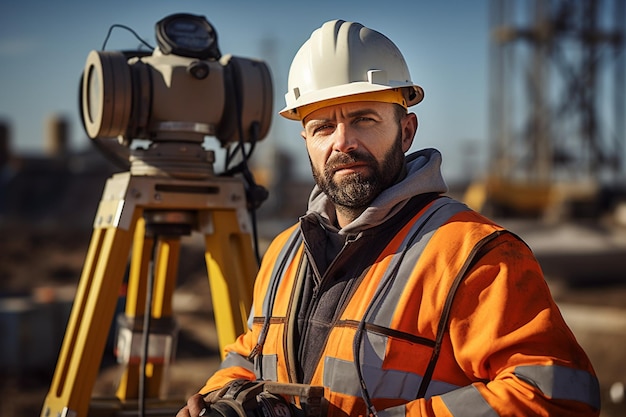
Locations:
{"points": [[344, 138]]}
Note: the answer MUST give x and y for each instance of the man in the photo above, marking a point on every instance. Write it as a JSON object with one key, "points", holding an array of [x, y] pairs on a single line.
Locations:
{"points": [[394, 298]]}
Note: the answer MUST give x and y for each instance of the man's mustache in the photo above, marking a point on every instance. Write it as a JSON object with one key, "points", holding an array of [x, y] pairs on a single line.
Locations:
{"points": [[342, 159]]}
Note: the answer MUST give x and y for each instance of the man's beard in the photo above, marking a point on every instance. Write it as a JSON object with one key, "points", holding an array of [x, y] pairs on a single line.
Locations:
{"points": [[357, 190]]}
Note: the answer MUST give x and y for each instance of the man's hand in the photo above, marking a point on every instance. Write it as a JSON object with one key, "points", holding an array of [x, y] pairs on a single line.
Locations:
{"points": [[195, 407], [198, 405]]}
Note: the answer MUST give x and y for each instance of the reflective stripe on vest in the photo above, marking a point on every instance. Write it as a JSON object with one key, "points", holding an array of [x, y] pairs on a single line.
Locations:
{"points": [[343, 374], [554, 381], [269, 372], [464, 402], [234, 359], [468, 402], [562, 383]]}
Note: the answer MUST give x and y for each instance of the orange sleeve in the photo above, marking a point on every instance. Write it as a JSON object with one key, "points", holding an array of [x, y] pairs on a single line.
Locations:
{"points": [[507, 333], [242, 347]]}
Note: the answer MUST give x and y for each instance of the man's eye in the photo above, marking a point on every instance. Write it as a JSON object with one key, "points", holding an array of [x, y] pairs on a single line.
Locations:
{"points": [[322, 128]]}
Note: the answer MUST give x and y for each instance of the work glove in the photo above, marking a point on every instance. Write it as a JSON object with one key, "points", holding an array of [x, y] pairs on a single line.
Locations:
{"points": [[199, 404]]}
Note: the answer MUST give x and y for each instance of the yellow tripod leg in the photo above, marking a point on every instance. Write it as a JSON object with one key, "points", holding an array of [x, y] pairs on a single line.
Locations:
{"points": [[231, 271], [167, 256], [89, 323]]}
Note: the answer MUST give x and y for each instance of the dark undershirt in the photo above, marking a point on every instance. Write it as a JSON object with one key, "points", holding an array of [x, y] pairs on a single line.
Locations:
{"points": [[317, 313]]}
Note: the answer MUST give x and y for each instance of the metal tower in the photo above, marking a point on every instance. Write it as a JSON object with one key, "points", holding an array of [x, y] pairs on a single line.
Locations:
{"points": [[557, 93]]}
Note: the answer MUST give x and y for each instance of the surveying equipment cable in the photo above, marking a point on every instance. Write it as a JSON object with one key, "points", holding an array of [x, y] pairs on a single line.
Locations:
{"points": [[145, 331], [116, 25], [252, 186]]}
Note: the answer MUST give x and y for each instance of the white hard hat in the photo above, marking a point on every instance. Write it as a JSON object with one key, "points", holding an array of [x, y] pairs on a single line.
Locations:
{"points": [[343, 59]]}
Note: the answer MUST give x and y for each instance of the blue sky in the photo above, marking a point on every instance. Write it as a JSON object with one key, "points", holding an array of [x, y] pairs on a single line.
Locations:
{"points": [[44, 45]]}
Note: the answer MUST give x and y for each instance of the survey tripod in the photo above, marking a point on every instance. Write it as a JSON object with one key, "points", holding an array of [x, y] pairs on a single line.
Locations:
{"points": [[169, 191]]}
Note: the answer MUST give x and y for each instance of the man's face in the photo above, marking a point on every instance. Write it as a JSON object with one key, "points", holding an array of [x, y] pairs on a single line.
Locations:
{"points": [[357, 149]]}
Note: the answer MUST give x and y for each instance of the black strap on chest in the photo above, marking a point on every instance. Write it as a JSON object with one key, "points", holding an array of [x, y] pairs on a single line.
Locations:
{"points": [[481, 248]]}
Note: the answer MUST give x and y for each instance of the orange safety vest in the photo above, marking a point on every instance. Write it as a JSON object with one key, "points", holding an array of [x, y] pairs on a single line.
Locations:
{"points": [[453, 318]]}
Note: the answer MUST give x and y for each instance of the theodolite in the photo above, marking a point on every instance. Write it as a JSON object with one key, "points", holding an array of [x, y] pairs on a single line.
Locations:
{"points": [[159, 107]]}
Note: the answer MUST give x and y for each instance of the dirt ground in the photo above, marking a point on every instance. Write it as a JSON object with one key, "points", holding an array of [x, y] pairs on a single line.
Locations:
{"points": [[43, 258]]}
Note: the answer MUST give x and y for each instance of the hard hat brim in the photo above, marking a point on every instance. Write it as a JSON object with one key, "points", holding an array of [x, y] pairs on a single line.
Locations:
{"points": [[414, 94]]}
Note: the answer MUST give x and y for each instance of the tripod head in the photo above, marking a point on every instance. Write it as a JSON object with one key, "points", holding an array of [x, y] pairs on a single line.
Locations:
{"points": [[162, 104]]}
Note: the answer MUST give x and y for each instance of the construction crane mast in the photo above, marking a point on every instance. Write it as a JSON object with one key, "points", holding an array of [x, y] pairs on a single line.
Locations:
{"points": [[557, 114]]}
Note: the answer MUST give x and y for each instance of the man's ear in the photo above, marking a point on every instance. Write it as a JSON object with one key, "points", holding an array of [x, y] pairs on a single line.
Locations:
{"points": [[409, 128]]}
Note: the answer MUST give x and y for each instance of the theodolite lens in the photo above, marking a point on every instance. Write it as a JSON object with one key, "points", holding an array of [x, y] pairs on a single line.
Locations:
{"points": [[94, 94]]}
